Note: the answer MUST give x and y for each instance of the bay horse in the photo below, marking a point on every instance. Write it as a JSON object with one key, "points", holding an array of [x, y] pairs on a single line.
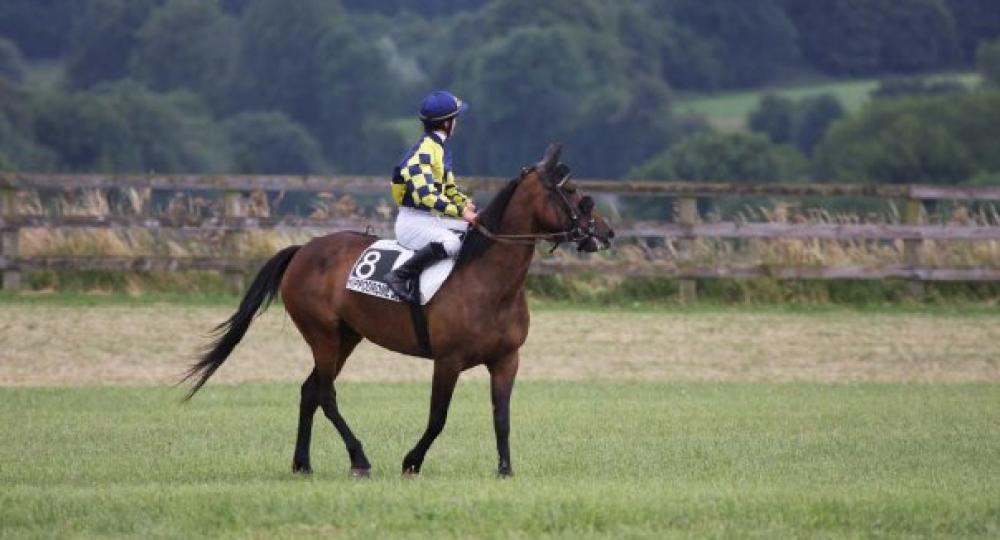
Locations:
{"points": [[480, 315]]}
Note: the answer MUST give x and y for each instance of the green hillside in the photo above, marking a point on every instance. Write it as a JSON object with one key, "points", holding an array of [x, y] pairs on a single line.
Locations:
{"points": [[728, 111]]}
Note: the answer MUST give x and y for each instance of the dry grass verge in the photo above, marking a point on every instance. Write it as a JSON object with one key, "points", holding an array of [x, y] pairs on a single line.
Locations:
{"points": [[65, 345]]}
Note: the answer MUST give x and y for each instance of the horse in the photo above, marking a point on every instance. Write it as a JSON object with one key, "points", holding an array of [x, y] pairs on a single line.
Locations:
{"points": [[478, 317]]}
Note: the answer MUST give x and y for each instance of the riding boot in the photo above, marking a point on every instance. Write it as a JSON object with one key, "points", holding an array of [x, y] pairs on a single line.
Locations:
{"points": [[404, 281]]}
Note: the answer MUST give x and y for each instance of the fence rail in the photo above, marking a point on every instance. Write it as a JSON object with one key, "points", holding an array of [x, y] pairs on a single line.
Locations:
{"points": [[687, 226], [832, 231], [376, 184]]}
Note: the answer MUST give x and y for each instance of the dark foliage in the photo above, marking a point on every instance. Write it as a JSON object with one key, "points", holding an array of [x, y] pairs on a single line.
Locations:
{"points": [[802, 123], [348, 75], [40, 28]]}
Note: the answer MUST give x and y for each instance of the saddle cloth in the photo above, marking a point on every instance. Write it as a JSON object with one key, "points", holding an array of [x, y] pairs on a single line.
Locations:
{"points": [[386, 255]]}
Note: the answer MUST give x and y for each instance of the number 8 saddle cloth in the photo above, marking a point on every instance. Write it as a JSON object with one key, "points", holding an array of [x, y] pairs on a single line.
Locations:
{"points": [[382, 257]]}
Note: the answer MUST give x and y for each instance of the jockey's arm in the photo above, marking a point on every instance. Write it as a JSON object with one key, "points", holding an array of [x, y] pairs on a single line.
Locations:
{"points": [[452, 192]]}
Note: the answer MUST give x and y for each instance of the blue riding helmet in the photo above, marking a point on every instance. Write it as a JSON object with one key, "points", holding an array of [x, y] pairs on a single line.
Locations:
{"points": [[441, 105]]}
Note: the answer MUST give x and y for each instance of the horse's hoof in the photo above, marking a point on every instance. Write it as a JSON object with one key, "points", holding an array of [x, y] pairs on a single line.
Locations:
{"points": [[361, 474], [410, 472], [301, 469], [505, 473]]}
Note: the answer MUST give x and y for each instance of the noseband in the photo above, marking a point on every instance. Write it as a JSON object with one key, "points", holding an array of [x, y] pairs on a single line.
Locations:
{"points": [[578, 230]]}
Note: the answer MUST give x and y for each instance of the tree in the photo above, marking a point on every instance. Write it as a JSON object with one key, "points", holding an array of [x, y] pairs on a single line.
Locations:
{"points": [[497, 18], [936, 139], [125, 128], [754, 41], [802, 122], [271, 143], [774, 117], [11, 63], [529, 85], [103, 39], [735, 157], [975, 21], [423, 8], [234, 7], [988, 62], [278, 64], [917, 35], [21, 152], [186, 44], [884, 35], [973, 119], [17, 140], [659, 46], [813, 118], [621, 127], [304, 59], [905, 150], [40, 28], [353, 91]]}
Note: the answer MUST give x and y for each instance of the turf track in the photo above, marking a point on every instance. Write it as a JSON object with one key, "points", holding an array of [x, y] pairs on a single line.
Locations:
{"points": [[592, 459]]}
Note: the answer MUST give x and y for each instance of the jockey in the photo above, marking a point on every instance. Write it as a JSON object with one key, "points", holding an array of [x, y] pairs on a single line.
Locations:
{"points": [[432, 211]]}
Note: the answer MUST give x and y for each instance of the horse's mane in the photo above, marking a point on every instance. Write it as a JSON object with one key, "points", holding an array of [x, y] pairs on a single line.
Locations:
{"points": [[475, 243]]}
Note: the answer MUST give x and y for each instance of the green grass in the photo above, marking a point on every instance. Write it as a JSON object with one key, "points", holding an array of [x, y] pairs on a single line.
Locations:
{"points": [[592, 459], [728, 111]]}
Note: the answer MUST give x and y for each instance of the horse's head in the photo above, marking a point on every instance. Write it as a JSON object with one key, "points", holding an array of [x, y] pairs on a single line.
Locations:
{"points": [[565, 209]]}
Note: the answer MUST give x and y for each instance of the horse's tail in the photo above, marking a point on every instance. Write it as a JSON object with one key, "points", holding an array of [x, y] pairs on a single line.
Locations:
{"points": [[228, 334]]}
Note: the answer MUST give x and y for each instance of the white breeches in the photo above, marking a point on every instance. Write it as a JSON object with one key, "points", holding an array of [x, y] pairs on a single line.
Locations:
{"points": [[417, 228]]}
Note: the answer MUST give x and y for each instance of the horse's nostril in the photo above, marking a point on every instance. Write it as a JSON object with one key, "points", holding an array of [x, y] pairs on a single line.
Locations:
{"points": [[611, 234]]}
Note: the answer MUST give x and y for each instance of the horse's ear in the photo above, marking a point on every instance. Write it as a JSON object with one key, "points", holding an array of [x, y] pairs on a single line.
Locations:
{"points": [[551, 158]]}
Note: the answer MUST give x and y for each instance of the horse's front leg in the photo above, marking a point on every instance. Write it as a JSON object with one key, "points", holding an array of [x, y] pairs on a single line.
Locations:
{"points": [[445, 375], [502, 374]]}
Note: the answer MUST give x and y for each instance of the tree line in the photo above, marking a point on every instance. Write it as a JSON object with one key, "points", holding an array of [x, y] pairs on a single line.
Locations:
{"points": [[320, 86]]}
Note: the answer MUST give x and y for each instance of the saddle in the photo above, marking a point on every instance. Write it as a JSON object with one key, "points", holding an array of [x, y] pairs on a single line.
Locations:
{"points": [[386, 255]]}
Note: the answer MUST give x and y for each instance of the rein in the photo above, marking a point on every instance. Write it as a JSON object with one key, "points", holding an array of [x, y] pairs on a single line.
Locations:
{"points": [[524, 239]]}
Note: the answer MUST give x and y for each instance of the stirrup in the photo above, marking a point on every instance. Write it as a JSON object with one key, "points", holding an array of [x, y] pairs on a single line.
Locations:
{"points": [[405, 289]]}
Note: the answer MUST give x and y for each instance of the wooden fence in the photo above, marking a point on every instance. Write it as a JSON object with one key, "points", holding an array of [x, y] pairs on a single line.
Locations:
{"points": [[686, 227]]}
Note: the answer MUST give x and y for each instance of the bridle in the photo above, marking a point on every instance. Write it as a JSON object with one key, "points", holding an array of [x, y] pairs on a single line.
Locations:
{"points": [[579, 229]]}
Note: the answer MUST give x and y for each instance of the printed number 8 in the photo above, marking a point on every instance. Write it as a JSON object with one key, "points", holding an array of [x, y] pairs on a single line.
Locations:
{"points": [[366, 267]]}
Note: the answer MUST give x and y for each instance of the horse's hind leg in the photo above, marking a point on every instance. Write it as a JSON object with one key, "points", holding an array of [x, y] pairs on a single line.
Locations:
{"points": [[330, 353]]}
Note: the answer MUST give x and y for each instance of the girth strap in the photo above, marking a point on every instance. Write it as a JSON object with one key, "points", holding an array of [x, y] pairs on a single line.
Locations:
{"points": [[420, 324]]}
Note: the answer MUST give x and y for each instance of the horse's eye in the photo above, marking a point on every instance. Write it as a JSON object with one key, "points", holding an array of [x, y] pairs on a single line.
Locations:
{"points": [[586, 205]]}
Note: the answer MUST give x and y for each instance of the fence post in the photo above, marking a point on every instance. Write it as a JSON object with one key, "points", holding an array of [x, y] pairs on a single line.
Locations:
{"points": [[911, 247], [686, 213], [9, 240], [233, 240]]}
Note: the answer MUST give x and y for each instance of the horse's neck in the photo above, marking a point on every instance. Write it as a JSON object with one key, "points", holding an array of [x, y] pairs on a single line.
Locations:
{"points": [[505, 265]]}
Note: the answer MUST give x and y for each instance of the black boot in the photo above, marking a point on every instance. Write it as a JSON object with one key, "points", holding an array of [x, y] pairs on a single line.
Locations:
{"points": [[405, 280]]}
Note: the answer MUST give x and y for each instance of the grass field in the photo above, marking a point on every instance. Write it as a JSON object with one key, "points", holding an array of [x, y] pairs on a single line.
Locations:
{"points": [[592, 459], [696, 422], [728, 111]]}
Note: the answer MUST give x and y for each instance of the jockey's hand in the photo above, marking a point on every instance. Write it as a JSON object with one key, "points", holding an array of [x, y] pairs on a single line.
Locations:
{"points": [[470, 205], [469, 215]]}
